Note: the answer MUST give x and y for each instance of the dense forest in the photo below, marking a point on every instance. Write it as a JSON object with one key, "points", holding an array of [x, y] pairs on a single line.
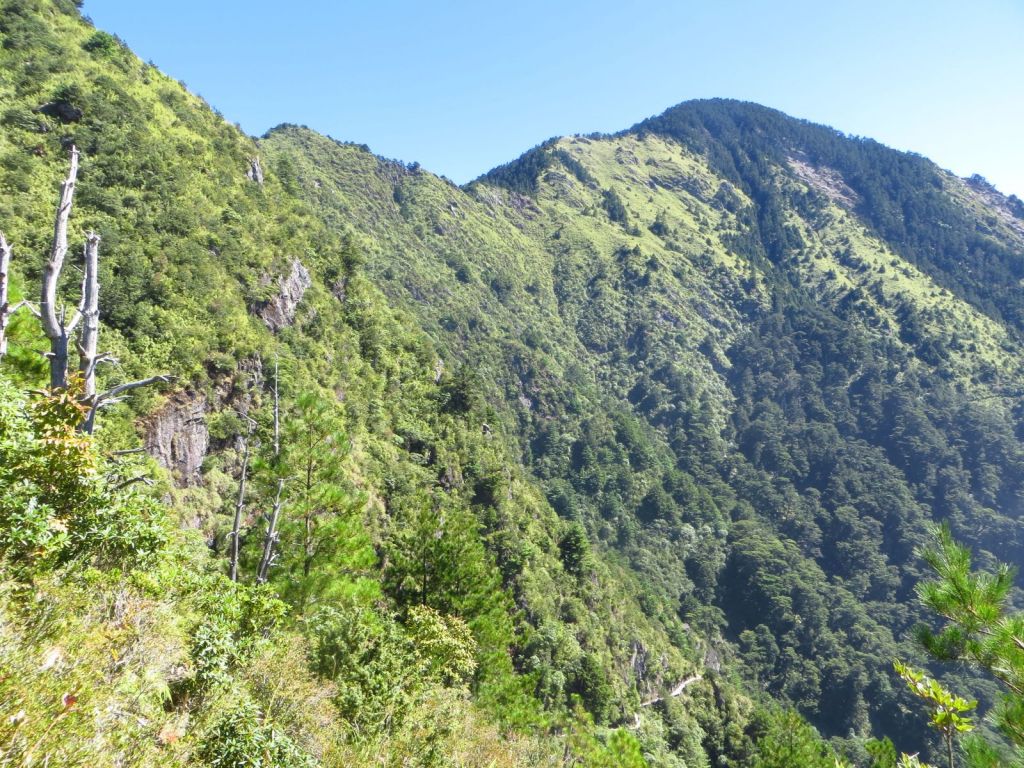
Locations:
{"points": [[633, 452]]}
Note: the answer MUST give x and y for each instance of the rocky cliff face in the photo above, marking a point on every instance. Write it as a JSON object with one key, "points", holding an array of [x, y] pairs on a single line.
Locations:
{"points": [[279, 312], [177, 437]]}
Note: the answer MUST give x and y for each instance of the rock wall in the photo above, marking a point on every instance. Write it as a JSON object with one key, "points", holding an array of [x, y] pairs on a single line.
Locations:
{"points": [[177, 437], [279, 311]]}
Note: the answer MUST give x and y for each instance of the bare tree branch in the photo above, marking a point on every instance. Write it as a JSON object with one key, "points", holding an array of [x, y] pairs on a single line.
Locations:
{"points": [[110, 397], [277, 407], [270, 539], [681, 686], [120, 388], [5, 310], [271, 536], [90, 312], [59, 249], [144, 479], [27, 305], [69, 327], [127, 452], [240, 504], [102, 357], [53, 326]]}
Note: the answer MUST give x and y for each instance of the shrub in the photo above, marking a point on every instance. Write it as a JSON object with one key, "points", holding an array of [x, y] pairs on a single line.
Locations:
{"points": [[242, 738], [57, 503]]}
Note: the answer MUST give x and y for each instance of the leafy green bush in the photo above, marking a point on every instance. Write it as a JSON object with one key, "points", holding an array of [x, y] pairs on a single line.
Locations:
{"points": [[369, 659], [242, 739], [59, 499], [235, 620]]}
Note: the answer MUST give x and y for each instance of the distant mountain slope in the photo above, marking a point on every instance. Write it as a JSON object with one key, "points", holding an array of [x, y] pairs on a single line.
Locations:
{"points": [[962, 233], [756, 357]]}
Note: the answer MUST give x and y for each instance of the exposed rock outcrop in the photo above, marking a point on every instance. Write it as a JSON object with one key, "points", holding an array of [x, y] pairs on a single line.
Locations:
{"points": [[255, 172], [279, 312], [1002, 207], [825, 180], [177, 437]]}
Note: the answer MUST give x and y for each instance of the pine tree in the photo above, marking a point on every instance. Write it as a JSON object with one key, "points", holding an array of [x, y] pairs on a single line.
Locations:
{"points": [[980, 629], [323, 549]]}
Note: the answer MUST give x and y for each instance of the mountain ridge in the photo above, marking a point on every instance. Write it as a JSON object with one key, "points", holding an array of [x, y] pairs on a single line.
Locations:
{"points": [[674, 404], [566, 175]]}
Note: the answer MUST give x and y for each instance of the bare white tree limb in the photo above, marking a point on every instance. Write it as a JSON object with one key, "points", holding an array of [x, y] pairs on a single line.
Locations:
{"points": [[263, 572], [27, 305], [681, 686], [5, 310], [110, 397], [236, 525], [115, 391], [127, 451], [53, 324], [144, 479], [90, 313], [277, 407], [270, 539], [59, 249], [102, 357]]}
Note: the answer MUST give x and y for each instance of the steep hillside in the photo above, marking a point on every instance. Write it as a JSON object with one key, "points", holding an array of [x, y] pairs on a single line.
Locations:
{"points": [[425, 601], [752, 380], [606, 459]]}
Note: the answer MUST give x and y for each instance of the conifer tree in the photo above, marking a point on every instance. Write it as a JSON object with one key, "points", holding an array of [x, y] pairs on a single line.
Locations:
{"points": [[981, 629], [323, 548]]}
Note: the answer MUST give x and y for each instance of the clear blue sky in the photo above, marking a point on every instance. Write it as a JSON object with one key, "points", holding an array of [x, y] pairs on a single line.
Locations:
{"points": [[464, 85]]}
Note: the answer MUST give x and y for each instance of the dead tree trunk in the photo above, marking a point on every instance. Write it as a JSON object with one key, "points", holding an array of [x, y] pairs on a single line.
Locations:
{"points": [[263, 572], [89, 355], [236, 526], [270, 539], [277, 409], [5, 310], [54, 325], [88, 343]]}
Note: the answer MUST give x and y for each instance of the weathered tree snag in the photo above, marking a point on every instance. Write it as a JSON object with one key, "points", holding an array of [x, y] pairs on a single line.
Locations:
{"points": [[53, 323], [236, 526], [239, 506], [270, 539], [88, 357], [5, 310], [263, 572]]}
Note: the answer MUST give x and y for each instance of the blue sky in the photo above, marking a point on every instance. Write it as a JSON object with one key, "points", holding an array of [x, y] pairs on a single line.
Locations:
{"points": [[462, 85]]}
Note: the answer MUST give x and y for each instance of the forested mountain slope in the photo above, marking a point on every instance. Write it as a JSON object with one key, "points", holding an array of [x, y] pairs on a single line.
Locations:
{"points": [[603, 453], [753, 356], [426, 605]]}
